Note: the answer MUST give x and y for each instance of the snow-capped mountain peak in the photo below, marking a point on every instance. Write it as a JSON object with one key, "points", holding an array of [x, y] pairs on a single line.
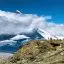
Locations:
{"points": [[47, 35]]}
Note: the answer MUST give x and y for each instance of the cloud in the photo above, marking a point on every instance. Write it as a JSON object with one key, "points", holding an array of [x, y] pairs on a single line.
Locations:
{"points": [[14, 23]]}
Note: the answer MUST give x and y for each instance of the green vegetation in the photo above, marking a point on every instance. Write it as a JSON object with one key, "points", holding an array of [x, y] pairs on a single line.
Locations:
{"points": [[39, 52]]}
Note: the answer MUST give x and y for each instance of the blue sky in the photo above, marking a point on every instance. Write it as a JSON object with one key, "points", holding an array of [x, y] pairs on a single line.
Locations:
{"points": [[54, 8]]}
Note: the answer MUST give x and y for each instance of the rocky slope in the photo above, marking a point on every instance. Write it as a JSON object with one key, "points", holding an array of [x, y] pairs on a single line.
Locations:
{"points": [[39, 52]]}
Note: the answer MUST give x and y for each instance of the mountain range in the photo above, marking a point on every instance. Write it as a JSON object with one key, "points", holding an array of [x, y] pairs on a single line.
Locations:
{"points": [[11, 42]]}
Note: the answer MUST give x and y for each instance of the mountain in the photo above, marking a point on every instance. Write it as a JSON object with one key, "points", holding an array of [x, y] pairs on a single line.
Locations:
{"points": [[11, 43], [46, 34], [6, 36]]}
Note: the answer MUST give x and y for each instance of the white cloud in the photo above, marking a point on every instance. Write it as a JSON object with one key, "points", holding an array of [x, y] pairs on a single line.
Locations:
{"points": [[18, 37], [13, 23]]}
